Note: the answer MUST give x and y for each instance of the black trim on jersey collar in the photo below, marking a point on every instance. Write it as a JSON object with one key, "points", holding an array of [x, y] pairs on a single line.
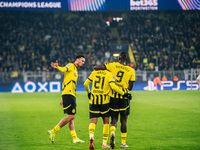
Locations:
{"points": [[75, 65], [111, 81]]}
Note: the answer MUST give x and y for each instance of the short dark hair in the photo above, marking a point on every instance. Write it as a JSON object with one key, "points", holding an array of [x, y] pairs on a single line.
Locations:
{"points": [[79, 56], [122, 56]]}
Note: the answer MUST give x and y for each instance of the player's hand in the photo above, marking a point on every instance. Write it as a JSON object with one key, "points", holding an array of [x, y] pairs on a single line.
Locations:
{"points": [[61, 102], [89, 95], [128, 95], [54, 65]]}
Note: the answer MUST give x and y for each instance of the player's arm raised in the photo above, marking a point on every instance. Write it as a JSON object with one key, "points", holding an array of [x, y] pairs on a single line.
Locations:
{"points": [[55, 66]]}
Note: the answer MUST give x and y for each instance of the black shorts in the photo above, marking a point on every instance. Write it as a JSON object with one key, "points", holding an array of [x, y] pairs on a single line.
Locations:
{"points": [[121, 106], [99, 111], [69, 104]]}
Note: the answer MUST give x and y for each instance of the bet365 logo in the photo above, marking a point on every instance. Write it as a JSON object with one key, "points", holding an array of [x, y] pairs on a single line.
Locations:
{"points": [[143, 2]]}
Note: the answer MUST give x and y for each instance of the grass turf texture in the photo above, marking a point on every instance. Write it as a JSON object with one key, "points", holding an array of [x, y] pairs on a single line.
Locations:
{"points": [[160, 120]]}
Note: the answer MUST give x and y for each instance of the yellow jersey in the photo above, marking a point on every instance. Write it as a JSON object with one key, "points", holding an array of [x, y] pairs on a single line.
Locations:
{"points": [[102, 82], [70, 79], [122, 74]]}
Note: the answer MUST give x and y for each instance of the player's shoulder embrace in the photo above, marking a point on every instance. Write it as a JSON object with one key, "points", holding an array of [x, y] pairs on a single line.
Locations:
{"points": [[107, 72]]}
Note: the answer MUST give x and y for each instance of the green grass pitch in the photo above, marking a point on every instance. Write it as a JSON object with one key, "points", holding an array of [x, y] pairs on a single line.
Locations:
{"points": [[159, 120]]}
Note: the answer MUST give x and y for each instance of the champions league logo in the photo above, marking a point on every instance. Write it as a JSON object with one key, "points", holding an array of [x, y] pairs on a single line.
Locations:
{"points": [[189, 4], [143, 4]]}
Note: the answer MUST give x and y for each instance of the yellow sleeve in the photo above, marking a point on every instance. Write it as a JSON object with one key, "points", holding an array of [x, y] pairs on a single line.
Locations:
{"points": [[109, 66], [86, 85], [88, 81], [113, 85], [115, 88], [133, 75], [62, 69], [67, 68]]}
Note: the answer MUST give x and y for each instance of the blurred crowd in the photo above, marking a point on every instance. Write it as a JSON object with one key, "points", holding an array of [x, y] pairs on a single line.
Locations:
{"points": [[31, 40], [166, 40]]}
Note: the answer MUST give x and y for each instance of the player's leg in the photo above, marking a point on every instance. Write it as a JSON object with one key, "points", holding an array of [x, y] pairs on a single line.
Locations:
{"points": [[105, 132], [113, 126], [114, 113], [161, 86], [94, 114], [62, 123], [125, 111], [105, 116], [69, 107], [123, 120], [93, 122], [156, 85], [66, 120], [73, 132]]}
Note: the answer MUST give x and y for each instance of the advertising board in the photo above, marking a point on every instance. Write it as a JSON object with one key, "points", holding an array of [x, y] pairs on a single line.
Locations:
{"points": [[99, 5]]}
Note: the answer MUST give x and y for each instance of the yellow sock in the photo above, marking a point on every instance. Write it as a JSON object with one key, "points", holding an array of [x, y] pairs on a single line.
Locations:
{"points": [[123, 137], [55, 129], [92, 129], [73, 133], [112, 130], [105, 133]]}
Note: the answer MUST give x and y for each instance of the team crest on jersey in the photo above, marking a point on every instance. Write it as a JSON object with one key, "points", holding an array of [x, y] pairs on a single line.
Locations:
{"points": [[75, 75], [113, 78], [67, 65], [73, 110]]}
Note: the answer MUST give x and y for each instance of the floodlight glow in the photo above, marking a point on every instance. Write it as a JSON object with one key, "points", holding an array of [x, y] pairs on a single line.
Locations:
{"points": [[116, 55]]}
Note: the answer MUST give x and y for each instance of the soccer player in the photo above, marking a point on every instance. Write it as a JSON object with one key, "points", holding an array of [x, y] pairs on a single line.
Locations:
{"points": [[157, 81], [102, 82], [124, 78], [68, 97]]}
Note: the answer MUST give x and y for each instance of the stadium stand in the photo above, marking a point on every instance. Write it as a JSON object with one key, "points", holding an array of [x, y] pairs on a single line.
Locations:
{"points": [[31, 40]]}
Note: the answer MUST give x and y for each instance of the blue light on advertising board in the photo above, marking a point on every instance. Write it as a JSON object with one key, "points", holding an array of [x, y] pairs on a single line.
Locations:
{"points": [[30, 87], [56, 86], [170, 85]]}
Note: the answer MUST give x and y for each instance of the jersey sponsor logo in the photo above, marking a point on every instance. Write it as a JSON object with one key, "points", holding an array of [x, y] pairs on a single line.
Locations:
{"points": [[97, 91], [67, 65], [113, 78]]}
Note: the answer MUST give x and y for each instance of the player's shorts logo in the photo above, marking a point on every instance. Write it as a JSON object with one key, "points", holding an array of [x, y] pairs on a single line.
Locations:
{"points": [[73, 110], [189, 4]]}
